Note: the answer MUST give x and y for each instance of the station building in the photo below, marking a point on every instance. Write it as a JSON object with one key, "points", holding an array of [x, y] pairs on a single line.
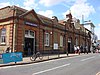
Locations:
{"points": [[21, 29]]}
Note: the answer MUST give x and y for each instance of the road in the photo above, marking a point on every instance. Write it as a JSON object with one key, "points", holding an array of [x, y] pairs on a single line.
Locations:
{"points": [[84, 64]]}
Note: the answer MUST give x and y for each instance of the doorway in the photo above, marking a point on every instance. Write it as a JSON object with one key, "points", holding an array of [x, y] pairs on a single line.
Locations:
{"points": [[29, 43], [69, 47], [29, 46]]}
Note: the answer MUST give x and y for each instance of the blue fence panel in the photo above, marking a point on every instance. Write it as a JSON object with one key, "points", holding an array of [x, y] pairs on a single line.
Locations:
{"points": [[1, 59], [12, 57]]}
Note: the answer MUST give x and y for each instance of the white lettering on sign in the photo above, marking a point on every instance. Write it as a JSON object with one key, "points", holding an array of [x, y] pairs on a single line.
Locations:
{"points": [[28, 23]]}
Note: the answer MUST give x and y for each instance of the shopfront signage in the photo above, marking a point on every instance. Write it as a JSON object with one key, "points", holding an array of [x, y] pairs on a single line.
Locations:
{"points": [[31, 24]]}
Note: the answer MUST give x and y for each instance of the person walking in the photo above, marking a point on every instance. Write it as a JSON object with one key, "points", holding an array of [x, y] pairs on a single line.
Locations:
{"points": [[86, 49], [29, 49], [75, 49], [78, 50], [81, 48], [8, 50]]}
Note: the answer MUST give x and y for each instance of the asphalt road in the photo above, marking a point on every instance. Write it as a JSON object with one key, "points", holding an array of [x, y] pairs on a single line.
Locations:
{"points": [[84, 64]]}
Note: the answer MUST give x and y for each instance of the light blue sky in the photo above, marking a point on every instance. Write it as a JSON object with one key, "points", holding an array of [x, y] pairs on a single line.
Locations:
{"points": [[89, 8]]}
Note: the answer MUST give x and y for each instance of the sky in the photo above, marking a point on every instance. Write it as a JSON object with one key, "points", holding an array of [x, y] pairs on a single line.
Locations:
{"points": [[89, 8]]}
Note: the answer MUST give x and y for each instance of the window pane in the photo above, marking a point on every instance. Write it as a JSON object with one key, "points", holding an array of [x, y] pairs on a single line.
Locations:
{"points": [[47, 39], [3, 32], [31, 33], [61, 41], [3, 39], [26, 32], [3, 35]]}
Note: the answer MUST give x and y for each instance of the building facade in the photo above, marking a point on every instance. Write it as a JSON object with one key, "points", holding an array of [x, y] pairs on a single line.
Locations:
{"points": [[29, 32]]}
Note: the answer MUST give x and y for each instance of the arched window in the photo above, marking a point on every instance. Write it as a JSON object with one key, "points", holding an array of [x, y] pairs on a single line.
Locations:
{"points": [[3, 36]]}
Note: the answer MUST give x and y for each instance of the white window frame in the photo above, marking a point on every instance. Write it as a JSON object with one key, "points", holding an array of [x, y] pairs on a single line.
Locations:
{"points": [[61, 41], [3, 36], [29, 35], [47, 39]]}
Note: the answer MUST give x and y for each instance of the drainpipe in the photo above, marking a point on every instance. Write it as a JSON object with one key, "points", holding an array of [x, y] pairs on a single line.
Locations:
{"points": [[13, 31]]}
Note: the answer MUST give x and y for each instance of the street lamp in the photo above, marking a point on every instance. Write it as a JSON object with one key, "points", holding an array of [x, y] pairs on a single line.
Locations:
{"points": [[52, 29]]}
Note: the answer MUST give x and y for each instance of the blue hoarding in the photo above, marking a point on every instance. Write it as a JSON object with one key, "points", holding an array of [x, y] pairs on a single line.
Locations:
{"points": [[12, 57], [1, 59]]}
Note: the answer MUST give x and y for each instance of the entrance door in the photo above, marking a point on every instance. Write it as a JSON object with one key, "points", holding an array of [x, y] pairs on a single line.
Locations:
{"points": [[68, 47], [29, 42], [29, 46]]}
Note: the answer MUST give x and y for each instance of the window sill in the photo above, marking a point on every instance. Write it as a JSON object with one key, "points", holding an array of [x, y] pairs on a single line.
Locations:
{"points": [[2, 44], [47, 46]]}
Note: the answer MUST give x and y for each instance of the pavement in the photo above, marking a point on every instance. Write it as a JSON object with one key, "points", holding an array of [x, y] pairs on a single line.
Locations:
{"points": [[26, 60]]}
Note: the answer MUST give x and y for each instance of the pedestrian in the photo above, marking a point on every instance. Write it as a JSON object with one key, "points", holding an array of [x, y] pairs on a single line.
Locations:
{"points": [[29, 49], [86, 49], [75, 49], [78, 50], [81, 48], [8, 50]]}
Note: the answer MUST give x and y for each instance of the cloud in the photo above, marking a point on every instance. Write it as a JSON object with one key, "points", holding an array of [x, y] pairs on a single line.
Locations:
{"points": [[47, 13], [50, 2], [97, 32], [54, 2], [79, 8], [30, 4], [99, 25], [4, 4], [98, 8]]}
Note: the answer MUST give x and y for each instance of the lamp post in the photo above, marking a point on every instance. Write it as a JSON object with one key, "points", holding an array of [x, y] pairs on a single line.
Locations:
{"points": [[52, 30]]}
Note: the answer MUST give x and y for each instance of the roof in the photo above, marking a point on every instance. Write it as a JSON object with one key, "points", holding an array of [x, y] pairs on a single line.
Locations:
{"points": [[89, 23], [61, 22], [7, 11], [44, 19]]}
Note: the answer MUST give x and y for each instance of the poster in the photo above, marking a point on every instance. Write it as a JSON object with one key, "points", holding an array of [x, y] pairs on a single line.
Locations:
{"points": [[55, 46]]}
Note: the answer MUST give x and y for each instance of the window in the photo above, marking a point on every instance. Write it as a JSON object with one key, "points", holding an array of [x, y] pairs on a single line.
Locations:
{"points": [[32, 33], [61, 41], [3, 36], [29, 34], [26, 32], [46, 39]]}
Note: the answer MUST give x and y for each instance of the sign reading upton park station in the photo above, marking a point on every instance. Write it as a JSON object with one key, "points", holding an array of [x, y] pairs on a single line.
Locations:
{"points": [[22, 29]]}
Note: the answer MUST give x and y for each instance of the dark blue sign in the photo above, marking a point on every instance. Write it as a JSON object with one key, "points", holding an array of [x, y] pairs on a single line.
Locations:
{"points": [[12, 57], [32, 24]]}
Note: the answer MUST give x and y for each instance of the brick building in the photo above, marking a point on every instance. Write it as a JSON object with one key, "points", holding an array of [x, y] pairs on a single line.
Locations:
{"points": [[22, 29]]}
